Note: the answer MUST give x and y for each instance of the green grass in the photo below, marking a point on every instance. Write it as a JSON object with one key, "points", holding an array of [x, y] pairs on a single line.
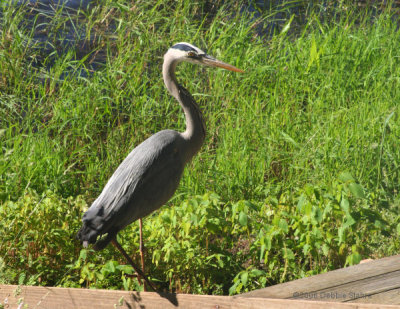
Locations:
{"points": [[299, 173]]}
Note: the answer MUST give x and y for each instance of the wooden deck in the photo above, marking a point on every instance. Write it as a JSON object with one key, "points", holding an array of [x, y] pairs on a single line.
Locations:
{"points": [[370, 285], [374, 282]]}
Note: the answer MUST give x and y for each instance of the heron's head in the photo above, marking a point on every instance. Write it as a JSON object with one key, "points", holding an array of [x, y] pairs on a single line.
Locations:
{"points": [[187, 52]]}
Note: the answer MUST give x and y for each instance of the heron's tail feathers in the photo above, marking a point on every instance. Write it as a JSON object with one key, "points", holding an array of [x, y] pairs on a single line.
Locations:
{"points": [[87, 236]]}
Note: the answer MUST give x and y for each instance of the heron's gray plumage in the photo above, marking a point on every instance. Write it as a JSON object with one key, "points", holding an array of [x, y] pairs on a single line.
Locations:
{"points": [[150, 174], [143, 182]]}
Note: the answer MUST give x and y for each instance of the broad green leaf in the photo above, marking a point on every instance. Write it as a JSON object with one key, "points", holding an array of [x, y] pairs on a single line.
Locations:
{"points": [[289, 139], [379, 224], [353, 259], [166, 218], [325, 249], [234, 288], [244, 277], [268, 243], [257, 272], [345, 205], [341, 234], [346, 177], [301, 202], [110, 267], [262, 251], [83, 254], [288, 254], [317, 214], [99, 276], [213, 227], [21, 278], [316, 232], [127, 269], [306, 249], [283, 225], [242, 218], [349, 222], [357, 190]]}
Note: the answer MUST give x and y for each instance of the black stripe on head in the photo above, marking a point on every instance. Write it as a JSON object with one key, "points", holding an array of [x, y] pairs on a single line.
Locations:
{"points": [[184, 47]]}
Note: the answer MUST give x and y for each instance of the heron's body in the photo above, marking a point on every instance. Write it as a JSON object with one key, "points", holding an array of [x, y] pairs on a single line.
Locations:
{"points": [[150, 174], [140, 185]]}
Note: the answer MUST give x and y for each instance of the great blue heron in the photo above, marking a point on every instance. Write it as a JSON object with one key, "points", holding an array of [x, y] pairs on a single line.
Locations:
{"points": [[150, 174]]}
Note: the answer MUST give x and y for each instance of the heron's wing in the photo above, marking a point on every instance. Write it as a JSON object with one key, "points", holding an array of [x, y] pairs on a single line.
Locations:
{"points": [[143, 182]]}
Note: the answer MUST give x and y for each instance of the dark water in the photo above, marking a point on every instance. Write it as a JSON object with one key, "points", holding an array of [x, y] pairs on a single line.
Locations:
{"points": [[50, 40], [270, 16], [72, 4]]}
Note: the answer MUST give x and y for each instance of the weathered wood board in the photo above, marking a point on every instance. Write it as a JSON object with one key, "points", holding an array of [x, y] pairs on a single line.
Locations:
{"points": [[12, 296], [372, 282]]}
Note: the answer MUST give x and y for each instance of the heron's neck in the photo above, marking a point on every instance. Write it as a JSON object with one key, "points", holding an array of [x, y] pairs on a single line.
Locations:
{"points": [[195, 128]]}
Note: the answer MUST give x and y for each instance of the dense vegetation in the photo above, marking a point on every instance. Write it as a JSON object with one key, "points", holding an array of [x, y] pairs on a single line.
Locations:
{"points": [[299, 173]]}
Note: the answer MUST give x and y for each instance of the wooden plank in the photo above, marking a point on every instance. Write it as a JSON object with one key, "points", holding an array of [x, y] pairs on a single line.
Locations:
{"points": [[360, 289], [65, 298], [307, 287], [391, 297]]}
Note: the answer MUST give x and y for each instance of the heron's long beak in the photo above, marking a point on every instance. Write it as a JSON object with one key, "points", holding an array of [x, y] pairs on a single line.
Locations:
{"points": [[212, 62]]}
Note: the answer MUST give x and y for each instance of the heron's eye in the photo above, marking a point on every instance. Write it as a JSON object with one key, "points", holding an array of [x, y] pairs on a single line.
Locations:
{"points": [[191, 54]]}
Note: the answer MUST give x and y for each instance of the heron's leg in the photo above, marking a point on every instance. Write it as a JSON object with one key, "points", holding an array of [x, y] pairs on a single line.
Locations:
{"points": [[141, 249], [130, 261]]}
